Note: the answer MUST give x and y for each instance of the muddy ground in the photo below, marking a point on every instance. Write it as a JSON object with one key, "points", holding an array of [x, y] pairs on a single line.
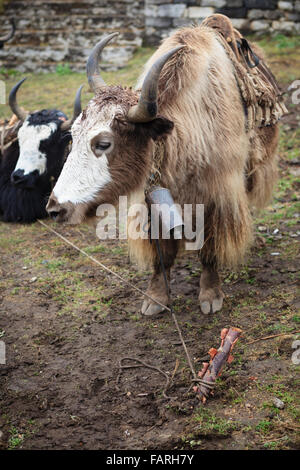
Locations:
{"points": [[66, 325]]}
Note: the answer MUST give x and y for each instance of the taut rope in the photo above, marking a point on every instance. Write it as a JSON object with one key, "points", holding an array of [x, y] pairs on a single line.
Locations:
{"points": [[105, 268]]}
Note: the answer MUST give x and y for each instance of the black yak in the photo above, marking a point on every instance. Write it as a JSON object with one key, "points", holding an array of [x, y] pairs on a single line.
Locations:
{"points": [[30, 166]]}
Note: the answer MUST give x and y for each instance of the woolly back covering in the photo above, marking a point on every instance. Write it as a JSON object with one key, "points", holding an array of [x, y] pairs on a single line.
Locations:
{"points": [[260, 91]]}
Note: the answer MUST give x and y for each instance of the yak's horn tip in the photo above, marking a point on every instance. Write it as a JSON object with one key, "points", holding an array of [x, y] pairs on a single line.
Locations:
{"points": [[92, 66], [146, 109], [12, 100]]}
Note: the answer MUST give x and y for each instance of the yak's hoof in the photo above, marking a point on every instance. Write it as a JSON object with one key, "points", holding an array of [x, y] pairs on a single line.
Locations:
{"points": [[150, 308], [211, 300]]}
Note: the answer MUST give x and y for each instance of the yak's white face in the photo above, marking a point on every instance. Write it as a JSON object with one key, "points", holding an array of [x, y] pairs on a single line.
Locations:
{"points": [[30, 137], [86, 170], [110, 156]]}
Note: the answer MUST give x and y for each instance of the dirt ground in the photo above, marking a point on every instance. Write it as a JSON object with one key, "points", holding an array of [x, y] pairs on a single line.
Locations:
{"points": [[66, 325]]}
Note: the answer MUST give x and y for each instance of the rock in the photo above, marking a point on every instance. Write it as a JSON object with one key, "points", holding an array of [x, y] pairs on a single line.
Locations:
{"points": [[234, 3], [285, 6], [151, 10], [268, 14], [56, 32], [233, 12], [260, 25], [278, 403], [171, 11], [158, 22], [214, 3], [295, 171], [159, 2], [180, 22], [199, 12], [292, 16], [51, 33], [286, 26], [261, 4], [297, 28], [240, 23]]}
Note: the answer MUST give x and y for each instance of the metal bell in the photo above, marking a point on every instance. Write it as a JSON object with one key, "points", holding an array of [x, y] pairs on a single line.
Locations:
{"points": [[164, 213]]}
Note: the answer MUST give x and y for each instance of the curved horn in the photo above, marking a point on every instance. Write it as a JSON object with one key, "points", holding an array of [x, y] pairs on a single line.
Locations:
{"points": [[76, 111], [20, 113], [12, 32], [92, 67], [146, 109]]}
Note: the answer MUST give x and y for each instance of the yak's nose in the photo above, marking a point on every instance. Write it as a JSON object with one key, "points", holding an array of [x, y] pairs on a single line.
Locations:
{"points": [[17, 177], [53, 207]]}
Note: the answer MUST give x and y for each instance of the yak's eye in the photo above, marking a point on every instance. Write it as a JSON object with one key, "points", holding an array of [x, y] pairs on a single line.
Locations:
{"points": [[101, 144]]}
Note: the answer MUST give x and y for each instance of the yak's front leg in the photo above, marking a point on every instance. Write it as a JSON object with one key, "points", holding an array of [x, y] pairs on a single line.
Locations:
{"points": [[157, 286], [211, 295]]}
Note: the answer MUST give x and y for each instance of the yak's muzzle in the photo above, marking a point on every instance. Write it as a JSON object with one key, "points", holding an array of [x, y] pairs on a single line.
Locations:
{"points": [[58, 212]]}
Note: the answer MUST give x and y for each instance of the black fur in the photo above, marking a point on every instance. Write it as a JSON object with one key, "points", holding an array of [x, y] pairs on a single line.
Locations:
{"points": [[26, 204]]}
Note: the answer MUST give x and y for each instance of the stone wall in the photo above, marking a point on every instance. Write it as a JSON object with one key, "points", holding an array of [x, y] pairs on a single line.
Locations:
{"points": [[256, 16], [63, 31]]}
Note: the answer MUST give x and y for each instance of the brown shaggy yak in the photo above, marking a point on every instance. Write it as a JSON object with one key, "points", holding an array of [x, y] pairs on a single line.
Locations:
{"points": [[190, 101]]}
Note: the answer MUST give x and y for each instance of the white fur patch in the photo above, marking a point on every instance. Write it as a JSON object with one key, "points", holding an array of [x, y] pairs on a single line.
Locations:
{"points": [[30, 137], [83, 174]]}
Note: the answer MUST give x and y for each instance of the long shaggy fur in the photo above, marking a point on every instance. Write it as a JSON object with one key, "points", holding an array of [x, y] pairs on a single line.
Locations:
{"points": [[210, 158]]}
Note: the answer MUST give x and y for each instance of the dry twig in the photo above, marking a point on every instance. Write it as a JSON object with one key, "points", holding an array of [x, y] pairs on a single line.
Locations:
{"points": [[291, 333]]}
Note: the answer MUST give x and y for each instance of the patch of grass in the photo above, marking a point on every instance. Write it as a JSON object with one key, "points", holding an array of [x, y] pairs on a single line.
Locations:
{"points": [[210, 424], [57, 90], [63, 69], [9, 72], [54, 265], [264, 426], [96, 249], [15, 438], [286, 42], [282, 55], [272, 445]]}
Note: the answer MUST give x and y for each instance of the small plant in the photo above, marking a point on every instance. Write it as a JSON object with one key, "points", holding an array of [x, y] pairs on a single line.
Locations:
{"points": [[271, 445], [286, 42], [8, 72], [264, 426], [63, 69], [15, 439], [209, 423]]}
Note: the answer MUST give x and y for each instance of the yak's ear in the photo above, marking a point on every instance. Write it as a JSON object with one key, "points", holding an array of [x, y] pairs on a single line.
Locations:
{"points": [[158, 127]]}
